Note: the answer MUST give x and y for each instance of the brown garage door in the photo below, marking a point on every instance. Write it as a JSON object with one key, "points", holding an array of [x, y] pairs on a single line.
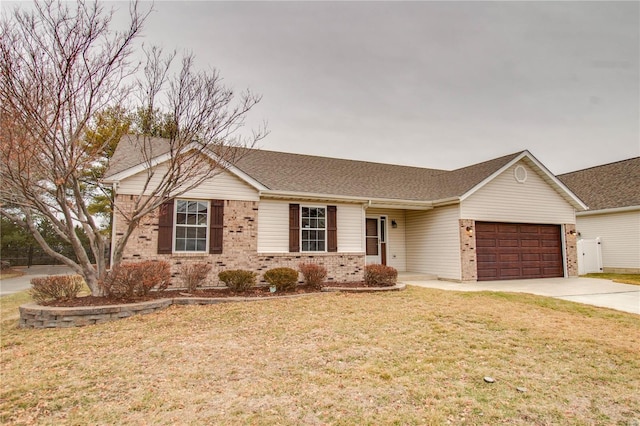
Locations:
{"points": [[516, 250]]}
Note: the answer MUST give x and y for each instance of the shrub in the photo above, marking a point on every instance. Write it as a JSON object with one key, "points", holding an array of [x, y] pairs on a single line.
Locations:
{"points": [[56, 287], [285, 279], [314, 275], [129, 280], [238, 279], [380, 275], [193, 274]]}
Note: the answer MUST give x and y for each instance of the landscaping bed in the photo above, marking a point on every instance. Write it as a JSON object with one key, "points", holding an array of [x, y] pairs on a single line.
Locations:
{"points": [[89, 310], [219, 292]]}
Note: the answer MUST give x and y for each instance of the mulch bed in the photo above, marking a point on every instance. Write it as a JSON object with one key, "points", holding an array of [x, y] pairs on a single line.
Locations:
{"points": [[208, 292]]}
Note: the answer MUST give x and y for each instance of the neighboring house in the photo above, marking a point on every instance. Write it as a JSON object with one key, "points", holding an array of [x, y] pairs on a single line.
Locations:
{"points": [[612, 192], [505, 218]]}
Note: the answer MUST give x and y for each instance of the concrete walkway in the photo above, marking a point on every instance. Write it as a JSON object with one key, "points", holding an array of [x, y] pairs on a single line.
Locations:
{"points": [[590, 291], [14, 285]]}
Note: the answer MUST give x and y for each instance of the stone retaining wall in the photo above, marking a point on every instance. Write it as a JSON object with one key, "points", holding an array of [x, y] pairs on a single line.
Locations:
{"points": [[33, 315]]}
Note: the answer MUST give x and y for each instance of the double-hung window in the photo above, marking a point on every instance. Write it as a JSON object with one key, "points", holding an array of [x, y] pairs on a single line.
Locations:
{"points": [[314, 228], [191, 226]]}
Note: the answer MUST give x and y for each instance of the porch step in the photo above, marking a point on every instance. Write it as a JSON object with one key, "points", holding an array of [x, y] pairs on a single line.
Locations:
{"points": [[415, 276]]}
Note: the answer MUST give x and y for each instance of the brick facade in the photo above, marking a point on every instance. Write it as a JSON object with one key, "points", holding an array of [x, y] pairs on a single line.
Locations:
{"points": [[571, 249], [469, 270], [240, 241]]}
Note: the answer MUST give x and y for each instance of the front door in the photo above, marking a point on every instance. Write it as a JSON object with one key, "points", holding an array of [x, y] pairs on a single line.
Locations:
{"points": [[376, 240]]}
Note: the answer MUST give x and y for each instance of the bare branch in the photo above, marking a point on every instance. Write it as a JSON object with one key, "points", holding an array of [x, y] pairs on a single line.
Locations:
{"points": [[61, 63]]}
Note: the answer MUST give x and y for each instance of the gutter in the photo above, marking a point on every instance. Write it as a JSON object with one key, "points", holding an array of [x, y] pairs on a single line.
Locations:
{"points": [[607, 211]]}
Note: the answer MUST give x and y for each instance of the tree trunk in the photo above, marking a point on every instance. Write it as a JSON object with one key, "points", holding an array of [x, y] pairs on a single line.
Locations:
{"points": [[92, 278]]}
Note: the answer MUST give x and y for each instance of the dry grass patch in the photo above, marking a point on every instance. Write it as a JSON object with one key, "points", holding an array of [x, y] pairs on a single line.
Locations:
{"points": [[617, 278], [412, 357], [9, 307], [10, 273]]}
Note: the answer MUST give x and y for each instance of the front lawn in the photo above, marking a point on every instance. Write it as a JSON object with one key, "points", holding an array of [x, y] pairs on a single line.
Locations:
{"points": [[412, 357], [617, 278]]}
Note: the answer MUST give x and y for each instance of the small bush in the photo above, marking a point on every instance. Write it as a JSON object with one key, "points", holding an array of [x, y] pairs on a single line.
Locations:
{"points": [[285, 279], [238, 279], [380, 275], [194, 274], [314, 275], [129, 280], [56, 287]]}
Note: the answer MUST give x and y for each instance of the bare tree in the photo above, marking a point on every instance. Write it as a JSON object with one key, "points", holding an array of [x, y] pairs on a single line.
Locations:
{"points": [[62, 65]]}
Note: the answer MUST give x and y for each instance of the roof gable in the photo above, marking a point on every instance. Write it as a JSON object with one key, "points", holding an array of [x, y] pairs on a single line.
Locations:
{"points": [[541, 170], [133, 155], [608, 186]]}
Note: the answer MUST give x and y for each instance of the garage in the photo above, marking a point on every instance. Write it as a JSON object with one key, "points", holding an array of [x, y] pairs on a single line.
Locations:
{"points": [[507, 251]]}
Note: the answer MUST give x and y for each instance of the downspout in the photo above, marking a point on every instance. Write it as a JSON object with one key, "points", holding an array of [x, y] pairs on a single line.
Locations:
{"points": [[565, 253]]}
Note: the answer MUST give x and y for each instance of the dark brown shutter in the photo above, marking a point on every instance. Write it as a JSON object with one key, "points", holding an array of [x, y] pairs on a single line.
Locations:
{"points": [[332, 229], [294, 228], [216, 226], [165, 228]]}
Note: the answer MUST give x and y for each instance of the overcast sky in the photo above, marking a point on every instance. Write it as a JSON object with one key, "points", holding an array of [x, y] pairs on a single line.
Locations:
{"points": [[432, 84]]}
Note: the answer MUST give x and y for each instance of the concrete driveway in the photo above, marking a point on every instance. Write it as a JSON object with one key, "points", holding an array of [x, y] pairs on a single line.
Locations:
{"points": [[14, 285], [590, 291]]}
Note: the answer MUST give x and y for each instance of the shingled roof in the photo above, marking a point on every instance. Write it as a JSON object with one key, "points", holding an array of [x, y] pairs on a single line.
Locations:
{"points": [[287, 172], [608, 186], [129, 153], [322, 175]]}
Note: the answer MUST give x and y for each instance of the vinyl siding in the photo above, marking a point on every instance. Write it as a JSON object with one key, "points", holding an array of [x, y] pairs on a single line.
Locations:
{"points": [[504, 199], [224, 186], [433, 242], [620, 234], [350, 228], [396, 247], [273, 226]]}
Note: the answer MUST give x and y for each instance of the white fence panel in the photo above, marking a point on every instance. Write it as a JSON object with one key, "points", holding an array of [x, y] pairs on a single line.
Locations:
{"points": [[589, 256]]}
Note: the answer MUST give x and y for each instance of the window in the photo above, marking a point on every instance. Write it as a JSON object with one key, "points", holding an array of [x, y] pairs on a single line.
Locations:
{"points": [[317, 227], [191, 225], [314, 225]]}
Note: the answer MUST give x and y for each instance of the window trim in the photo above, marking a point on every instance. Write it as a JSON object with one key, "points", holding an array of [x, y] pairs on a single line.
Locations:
{"points": [[325, 229], [175, 225]]}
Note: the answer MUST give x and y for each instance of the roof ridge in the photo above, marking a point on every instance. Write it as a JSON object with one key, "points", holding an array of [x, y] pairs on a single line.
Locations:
{"points": [[491, 160]]}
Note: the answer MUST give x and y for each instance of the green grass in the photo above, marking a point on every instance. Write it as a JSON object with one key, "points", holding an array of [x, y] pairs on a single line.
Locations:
{"points": [[618, 278], [412, 357]]}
